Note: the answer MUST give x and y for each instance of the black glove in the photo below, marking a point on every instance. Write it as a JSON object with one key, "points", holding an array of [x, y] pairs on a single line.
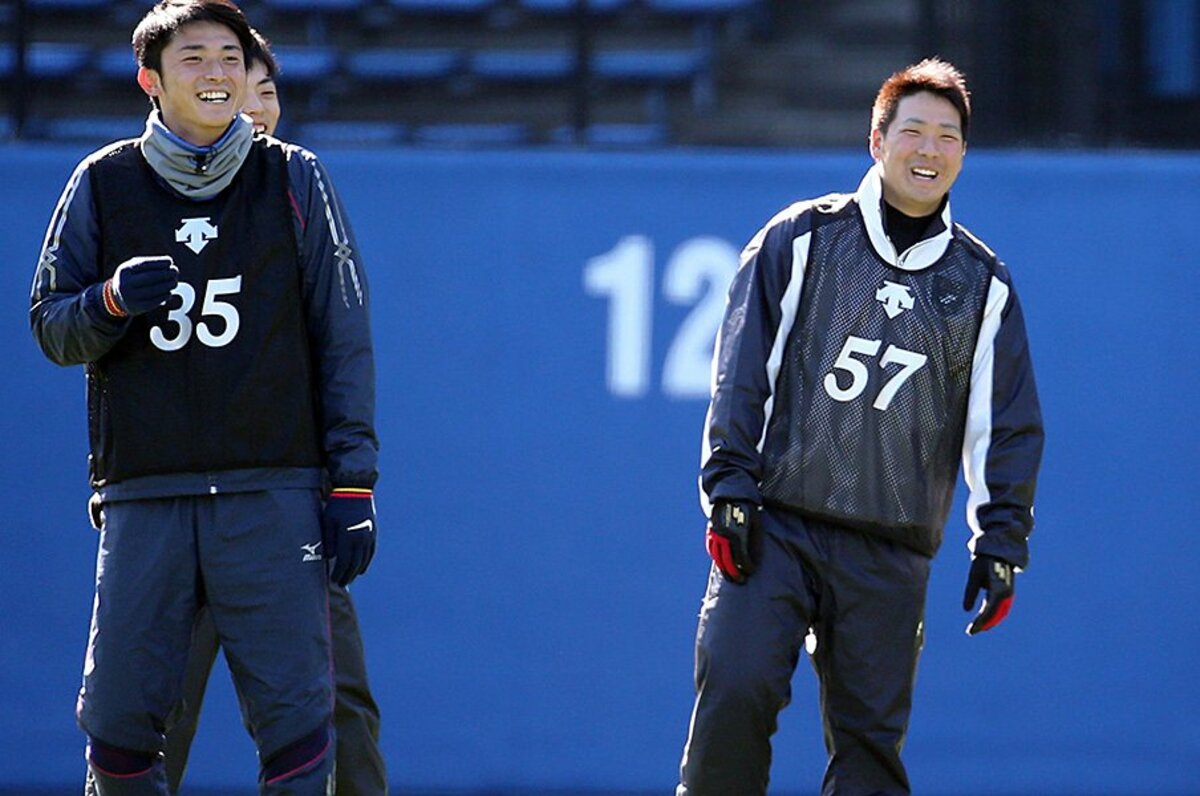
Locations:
{"points": [[348, 533], [140, 284], [729, 538], [995, 577]]}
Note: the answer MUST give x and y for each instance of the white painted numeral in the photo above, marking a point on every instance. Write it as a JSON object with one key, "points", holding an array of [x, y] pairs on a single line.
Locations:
{"points": [[625, 276], [698, 273]]}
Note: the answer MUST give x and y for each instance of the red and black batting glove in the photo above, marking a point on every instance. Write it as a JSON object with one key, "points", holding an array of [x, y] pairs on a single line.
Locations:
{"points": [[995, 577], [348, 533], [728, 538]]}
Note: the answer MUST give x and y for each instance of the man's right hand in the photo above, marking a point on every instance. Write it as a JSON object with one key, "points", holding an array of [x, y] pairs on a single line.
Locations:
{"points": [[728, 538], [140, 284]]}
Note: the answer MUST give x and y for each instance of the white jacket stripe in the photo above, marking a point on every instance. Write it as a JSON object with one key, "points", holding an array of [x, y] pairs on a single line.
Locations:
{"points": [[789, 306], [978, 435]]}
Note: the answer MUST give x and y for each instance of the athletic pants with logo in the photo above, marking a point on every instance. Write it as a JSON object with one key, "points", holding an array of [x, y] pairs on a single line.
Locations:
{"points": [[360, 767], [864, 599], [248, 557]]}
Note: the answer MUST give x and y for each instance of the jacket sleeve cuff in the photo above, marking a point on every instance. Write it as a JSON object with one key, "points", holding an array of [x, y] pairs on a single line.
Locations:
{"points": [[351, 492]]}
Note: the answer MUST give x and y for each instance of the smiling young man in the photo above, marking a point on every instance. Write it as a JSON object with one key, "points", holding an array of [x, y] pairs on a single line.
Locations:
{"points": [[262, 95], [869, 342], [209, 282]]}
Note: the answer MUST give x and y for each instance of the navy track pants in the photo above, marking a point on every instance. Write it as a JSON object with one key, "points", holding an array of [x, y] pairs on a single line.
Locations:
{"points": [[863, 598], [253, 559], [361, 770]]}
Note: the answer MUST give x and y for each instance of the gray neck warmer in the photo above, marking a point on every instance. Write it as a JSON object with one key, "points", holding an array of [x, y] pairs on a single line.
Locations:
{"points": [[197, 172]]}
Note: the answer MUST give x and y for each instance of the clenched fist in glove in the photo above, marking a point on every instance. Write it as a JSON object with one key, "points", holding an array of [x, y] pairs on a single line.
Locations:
{"points": [[140, 284], [995, 577], [729, 538], [348, 533]]}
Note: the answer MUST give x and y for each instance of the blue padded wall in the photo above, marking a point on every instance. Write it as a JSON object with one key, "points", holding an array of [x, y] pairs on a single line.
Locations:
{"points": [[542, 322]]}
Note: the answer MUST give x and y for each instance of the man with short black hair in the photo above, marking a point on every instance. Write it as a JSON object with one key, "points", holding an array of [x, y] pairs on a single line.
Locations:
{"points": [[210, 283], [868, 343]]}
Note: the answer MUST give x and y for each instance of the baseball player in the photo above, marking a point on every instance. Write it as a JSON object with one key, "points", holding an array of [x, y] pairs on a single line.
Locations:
{"points": [[360, 769], [869, 342], [210, 284]]}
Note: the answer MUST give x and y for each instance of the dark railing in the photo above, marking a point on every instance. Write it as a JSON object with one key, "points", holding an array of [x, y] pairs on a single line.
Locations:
{"points": [[1096, 73], [18, 84]]}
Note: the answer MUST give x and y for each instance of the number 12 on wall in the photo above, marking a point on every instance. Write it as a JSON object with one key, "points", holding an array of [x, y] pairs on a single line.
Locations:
{"points": [[698, 274]]}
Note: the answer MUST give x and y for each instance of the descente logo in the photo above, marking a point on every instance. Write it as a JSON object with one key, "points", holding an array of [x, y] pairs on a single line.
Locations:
{"points": [[894, 297], [195, 233]]}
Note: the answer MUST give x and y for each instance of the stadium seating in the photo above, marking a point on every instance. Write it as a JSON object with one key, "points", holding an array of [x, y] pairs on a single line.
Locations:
{"points": [[442, 6], [709, 7], [65, 5], [317, 6], [116, 63], [469, 72], [53, 60], [403, 65], [306, 63], [355, 134], [93, 129], [569, 6], [509, 134], [651, 66], [318, 14], [523, 65], [606, 135]]}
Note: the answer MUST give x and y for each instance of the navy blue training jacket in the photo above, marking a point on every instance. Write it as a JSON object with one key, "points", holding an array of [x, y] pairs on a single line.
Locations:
{"points": [[72, 326], [850, 379]]}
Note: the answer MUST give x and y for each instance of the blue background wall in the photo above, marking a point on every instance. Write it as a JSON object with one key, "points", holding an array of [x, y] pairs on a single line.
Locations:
{"points": [[530, 615]]}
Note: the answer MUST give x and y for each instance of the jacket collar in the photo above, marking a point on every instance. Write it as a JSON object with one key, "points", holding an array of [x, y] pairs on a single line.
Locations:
{"points": [[197, 172], [921, 254]]}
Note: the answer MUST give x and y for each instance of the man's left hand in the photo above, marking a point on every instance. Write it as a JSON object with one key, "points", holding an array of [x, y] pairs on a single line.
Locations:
{"points": [[995, 577], [348, 533]]}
